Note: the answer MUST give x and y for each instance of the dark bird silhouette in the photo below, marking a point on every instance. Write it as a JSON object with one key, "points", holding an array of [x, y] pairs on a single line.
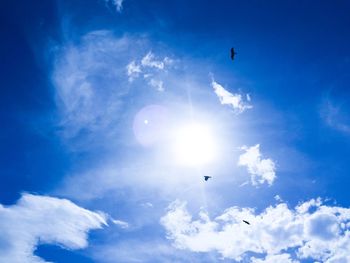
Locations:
{"points": [[206, 177], [246, 222], [233, 53]]}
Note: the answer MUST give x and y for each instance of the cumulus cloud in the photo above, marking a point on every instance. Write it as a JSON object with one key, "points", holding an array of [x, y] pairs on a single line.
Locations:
{"points": [[38, 220], [277, 234], [236, 101], [260, 170]]}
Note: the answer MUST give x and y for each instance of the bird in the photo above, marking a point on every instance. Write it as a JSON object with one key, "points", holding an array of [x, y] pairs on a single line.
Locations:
{"points": [[206, 177], [245, 221], [233, 53]]}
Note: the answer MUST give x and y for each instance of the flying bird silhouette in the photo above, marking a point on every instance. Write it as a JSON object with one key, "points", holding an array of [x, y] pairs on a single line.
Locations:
{"points": [[246, 222], [206, 177], [233, 53]]}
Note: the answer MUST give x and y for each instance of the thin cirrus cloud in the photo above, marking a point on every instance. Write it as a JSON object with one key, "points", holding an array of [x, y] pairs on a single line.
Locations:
{"points": [[335, 115], [144, 250], [236, 101], [38, 220], [310, 230], [260, 170], [88, 83], [92, 79]]}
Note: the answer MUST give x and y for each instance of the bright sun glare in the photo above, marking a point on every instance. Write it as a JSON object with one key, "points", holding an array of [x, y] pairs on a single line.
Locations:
{"points": [[194, 145]]}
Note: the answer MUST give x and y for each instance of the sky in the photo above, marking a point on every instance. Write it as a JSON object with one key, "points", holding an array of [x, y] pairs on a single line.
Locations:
{"points": [[113, 111]]}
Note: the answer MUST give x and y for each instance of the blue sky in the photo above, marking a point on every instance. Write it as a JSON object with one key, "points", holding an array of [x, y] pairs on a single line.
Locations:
{"points": [[113, 111]]}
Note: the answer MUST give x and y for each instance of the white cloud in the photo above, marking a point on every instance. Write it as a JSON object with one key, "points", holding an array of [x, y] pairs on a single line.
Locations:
{"points": [[150, 66], [133, 70], [147, 204], [260, 170], [38, 220], [278, 198], [149, 60], [120, 223], [117, 3], [147, 63], [158, 84], [234, 100], [277, 234]]}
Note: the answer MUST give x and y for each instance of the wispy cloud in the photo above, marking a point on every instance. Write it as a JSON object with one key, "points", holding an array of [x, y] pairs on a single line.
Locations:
{"points": [[143, 250], [89, 84], [90, 81], [157, 84], [150, 67], [335, 115], [120, 223], [46, 220], [236, 101], [133, 70], [310, 230], [117, 3], [260, 170], [150, 61]]}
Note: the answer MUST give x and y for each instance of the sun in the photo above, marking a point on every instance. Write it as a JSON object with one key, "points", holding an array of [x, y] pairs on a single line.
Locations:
{"points": [[194, 145]]}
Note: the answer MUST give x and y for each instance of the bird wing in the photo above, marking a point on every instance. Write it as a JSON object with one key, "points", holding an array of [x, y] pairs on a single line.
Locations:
{"points": [[233, 53]]}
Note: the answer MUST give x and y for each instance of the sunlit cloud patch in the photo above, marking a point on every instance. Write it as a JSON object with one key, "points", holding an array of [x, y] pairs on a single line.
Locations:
{"points": [[310, 230], [260, 170], [36, 220], [235, 100]]}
